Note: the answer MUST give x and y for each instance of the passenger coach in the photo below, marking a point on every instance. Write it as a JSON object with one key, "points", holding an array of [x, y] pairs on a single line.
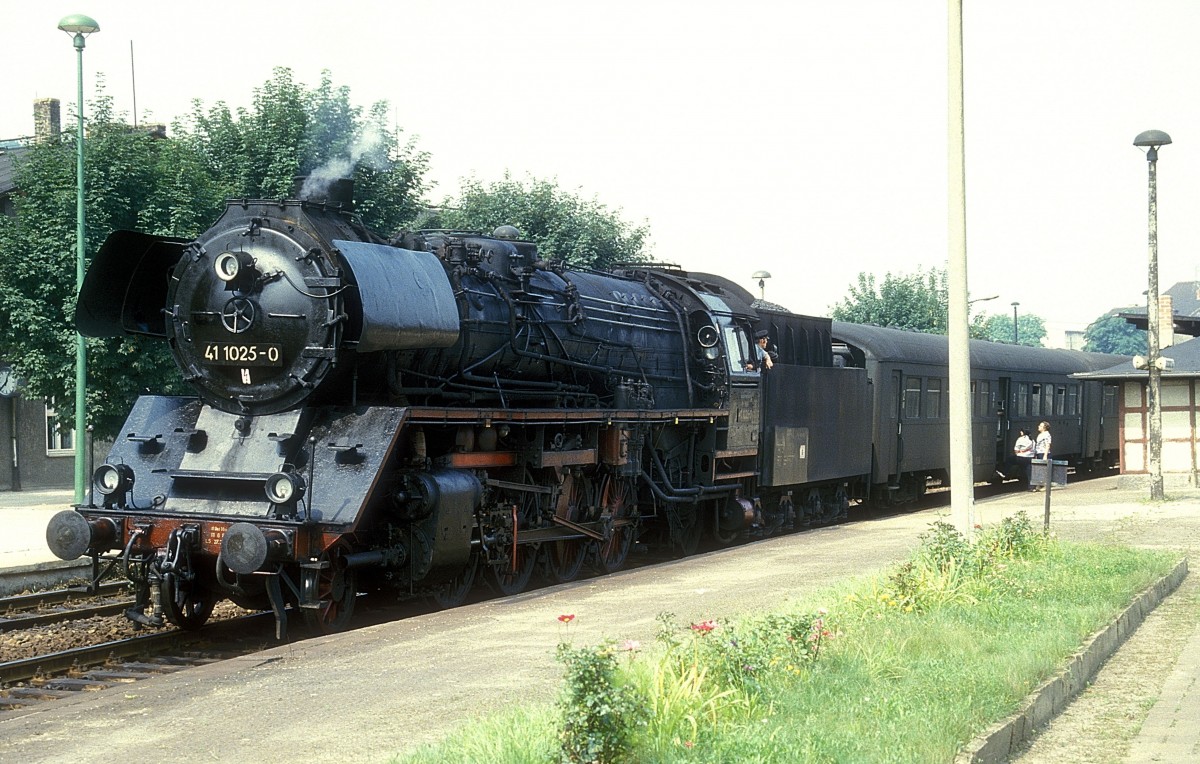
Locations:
{"points": [[1012, 387]]}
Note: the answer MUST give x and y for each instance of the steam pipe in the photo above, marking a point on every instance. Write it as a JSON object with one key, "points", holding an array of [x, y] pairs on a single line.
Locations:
{"points": [[680, 493]]}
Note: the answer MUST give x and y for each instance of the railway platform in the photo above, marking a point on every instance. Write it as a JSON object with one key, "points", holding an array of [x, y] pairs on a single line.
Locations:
{"points": [[25, 559], [370, 694]]}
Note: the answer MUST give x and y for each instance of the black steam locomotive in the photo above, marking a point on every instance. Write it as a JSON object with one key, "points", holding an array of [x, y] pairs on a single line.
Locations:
{"points": [[406, 414]]}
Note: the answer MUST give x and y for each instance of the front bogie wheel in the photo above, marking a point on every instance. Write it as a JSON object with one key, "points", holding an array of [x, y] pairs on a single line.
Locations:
{"points": [[329, 604], [187, 605]]}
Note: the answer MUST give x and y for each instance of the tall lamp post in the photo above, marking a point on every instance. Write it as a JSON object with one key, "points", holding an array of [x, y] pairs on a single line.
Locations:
{"points": [[79, 27], [1151, 140], [762, 277], [1016, 336]]}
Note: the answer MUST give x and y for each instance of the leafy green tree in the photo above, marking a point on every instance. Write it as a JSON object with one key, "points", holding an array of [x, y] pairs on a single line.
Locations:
{"points": [[997, 327], [1112, 334], [173, 186], [917, 301], [566, 226], [37, 267], [295, 131]]}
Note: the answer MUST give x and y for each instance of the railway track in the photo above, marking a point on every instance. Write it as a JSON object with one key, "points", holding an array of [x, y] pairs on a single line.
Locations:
{"points": [[63, 674], [23, 611]]}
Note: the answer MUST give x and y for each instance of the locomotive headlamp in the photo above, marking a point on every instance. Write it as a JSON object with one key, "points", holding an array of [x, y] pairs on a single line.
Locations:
{"points": [[233, 266], [284, 488], [707, 337], [114, 480]]}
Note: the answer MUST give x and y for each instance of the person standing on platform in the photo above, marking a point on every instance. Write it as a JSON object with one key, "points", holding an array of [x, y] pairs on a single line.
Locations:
{"points": [[1041, 448], [1023, 450]]}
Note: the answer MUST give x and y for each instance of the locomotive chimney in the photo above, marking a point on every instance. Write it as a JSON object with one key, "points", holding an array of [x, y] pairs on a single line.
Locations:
{"points": [[336, 192]]}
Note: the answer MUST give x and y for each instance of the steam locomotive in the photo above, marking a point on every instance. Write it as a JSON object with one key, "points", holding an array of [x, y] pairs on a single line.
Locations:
{"points": [[407, 414]]}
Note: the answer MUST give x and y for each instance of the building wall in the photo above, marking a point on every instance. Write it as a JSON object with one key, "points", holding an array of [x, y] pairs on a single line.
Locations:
{"points": [[34, 467], [1177, 398]]}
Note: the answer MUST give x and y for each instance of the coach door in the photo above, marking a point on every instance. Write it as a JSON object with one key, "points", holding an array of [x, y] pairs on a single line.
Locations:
{"points": [[892, 465], [1003, 422]]}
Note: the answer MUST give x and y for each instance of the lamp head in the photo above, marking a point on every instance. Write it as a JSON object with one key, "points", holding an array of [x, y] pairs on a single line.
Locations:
{"points": [[761, 275], [1152, 139], [77, 23], [78, 26]]}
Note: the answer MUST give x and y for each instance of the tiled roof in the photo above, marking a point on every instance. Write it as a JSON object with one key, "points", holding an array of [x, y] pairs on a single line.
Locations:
{"points": [[1185, 305], [1187, 364], [7, 170]]}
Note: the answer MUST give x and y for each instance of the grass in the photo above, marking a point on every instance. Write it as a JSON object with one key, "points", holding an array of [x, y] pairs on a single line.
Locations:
{"points": [[913, 664]]}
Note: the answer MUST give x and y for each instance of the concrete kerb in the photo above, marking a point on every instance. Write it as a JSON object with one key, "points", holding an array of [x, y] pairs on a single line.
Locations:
{"points": [[43, 574], [1005, 738]]}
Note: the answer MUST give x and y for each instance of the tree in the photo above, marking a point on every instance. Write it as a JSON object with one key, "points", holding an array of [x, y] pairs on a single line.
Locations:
{"points": [[37, 266], [294, 131], [1112, 334], [918, 302], [566, 226], [998, 327], [173, 186]]}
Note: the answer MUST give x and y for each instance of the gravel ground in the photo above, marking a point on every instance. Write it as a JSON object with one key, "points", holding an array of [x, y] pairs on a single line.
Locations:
{"points": [[21, 644], [369, 694]]}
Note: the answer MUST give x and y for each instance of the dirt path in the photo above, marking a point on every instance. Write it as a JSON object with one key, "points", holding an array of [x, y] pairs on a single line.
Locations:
{"points": [[366, 695]]}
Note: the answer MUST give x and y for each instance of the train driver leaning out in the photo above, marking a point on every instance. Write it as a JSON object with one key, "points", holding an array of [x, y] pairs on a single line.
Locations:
{"points": [[762, 357]]}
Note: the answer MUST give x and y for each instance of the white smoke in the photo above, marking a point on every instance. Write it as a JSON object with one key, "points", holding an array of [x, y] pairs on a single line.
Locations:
{"points": [[368, 148]]}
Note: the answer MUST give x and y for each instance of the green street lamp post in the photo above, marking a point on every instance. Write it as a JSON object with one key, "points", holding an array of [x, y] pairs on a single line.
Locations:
{"points": [[79, 27]]}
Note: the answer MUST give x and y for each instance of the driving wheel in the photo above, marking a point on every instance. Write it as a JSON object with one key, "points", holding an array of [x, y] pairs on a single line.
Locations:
{"points": [[565, 558], [512, 576], [619, 510]]}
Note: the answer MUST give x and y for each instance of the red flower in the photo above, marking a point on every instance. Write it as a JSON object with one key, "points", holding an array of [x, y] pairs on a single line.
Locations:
{"points": [[567, 618], [704, 626], [688, 744]]}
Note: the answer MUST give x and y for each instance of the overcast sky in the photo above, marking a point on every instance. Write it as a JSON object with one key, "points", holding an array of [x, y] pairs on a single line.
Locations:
{"points": [[803, 138]]}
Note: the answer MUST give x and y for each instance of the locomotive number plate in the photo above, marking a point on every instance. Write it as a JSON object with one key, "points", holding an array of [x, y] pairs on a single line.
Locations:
{"points": [[229, 354]]}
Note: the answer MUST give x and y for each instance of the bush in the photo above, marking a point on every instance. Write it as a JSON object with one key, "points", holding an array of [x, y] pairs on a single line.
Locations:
{"points": [[600, 711], [947, 568]]}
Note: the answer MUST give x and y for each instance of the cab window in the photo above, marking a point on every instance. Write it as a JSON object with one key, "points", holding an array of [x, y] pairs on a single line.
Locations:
{"points": [[737, 349]]}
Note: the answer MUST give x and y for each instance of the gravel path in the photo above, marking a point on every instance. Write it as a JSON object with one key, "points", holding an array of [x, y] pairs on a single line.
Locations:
{"points": [[369, 694]]}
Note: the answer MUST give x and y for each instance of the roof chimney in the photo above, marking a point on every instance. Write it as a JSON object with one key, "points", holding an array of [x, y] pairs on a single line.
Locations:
{"points": [[1166, 321], [46, 122]]}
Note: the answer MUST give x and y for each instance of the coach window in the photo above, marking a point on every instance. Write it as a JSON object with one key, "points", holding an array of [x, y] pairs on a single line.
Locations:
{"points": [[1047, 400], [983, 403], [1072, 400], [912, 398], [1035, 399], [1021, 404], [1060, 400], [1110, 400], [933, 398]]}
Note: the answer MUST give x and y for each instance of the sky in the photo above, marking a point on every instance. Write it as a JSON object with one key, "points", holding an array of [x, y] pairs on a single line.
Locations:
{"points": [[807, 139]]}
